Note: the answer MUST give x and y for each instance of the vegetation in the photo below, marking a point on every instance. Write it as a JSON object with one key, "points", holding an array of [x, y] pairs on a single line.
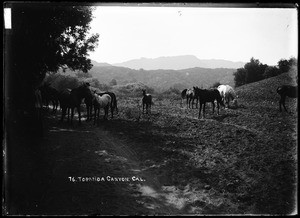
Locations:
{"points": [[45, 38], [255, 71]]}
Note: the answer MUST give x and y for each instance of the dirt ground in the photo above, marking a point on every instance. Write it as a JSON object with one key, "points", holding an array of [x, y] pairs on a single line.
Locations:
{"points": [[242, 161]]}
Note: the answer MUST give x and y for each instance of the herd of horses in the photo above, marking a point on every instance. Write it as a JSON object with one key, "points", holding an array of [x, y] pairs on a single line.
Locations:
{"points": [[224, 94], [71, 99]]}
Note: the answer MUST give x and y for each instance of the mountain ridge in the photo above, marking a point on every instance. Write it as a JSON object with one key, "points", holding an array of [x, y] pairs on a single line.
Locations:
{"points": [[178, 63]]}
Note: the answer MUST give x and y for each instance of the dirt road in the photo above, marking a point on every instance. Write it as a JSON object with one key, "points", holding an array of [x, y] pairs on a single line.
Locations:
{"points": [[88, 170]]}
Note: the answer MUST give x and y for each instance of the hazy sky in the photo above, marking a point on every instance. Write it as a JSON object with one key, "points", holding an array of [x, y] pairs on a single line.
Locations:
{"points": [[236, 34]]}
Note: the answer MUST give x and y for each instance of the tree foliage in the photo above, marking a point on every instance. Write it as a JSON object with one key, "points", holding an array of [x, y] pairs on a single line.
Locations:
{"points": [[254, 70], [271, 71], [44, 38], [240, 77]]}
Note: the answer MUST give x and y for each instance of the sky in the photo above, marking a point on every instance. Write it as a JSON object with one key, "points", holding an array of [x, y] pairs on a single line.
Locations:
{"points": [[235, 34]]}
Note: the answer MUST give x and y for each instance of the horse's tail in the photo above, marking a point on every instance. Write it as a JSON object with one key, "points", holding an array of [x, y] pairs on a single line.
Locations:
{"points": [[114, 103], [183, 93]]}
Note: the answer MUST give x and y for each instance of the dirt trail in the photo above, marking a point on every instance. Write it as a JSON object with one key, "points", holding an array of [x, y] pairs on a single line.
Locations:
{"points": [[90, 171]]}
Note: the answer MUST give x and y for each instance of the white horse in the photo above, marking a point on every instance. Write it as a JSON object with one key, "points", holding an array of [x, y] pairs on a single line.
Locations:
{"points": [[228, 94], [101, 102]]}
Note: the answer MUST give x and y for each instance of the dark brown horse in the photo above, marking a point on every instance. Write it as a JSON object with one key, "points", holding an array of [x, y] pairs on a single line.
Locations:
{"points": [[190, 97], [72, 99], [88, 100], [147, 101], [208, 95], [49, 94], [286, 91], [183, 95]]}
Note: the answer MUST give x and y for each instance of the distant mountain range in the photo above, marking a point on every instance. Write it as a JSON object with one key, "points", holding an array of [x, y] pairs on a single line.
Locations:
{"points": [[178, 63], [165, 72]]}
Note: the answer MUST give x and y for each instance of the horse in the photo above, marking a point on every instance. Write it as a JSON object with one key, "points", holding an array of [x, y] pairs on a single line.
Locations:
{"points": [[113, 104], [183, 95], [190, 96], [49, 93], [227, 93], [208, 95], [147, 101], [88, 100], [286, 91], [71, 99], [103, 101]]}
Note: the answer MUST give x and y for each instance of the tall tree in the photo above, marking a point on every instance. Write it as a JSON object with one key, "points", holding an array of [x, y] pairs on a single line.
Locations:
{"points": [[44, 37], [240, 77], [254, 70]]}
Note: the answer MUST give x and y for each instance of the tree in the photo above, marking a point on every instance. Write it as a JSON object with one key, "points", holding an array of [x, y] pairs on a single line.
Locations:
{"points": [[271, 71], [254, 70], [44, 37], [285, 65], [240, 77]]}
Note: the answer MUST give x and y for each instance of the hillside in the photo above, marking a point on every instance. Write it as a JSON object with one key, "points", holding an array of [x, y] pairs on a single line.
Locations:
{"points": [[178, 63], [242, 161], [164, 79]]}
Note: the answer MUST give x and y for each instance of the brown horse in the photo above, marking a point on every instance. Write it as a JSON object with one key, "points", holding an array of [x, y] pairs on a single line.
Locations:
{"points": [[72, 99], [48, 94], [286, 91], [147, 101], [190, 97], [208, 95]]}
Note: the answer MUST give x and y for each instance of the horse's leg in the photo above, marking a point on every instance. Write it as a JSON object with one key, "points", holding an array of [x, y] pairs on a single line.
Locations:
{"points": [[187, 102], [72, 114], [112, 112], [63, 113], [283, 103], [55, 107], [280, 102], [204, 109], [95, 110], [79, 114], [106, 112], [213, 104], [68, 112], [218, 107], [200, 108], [193, 102], [98, 116]]}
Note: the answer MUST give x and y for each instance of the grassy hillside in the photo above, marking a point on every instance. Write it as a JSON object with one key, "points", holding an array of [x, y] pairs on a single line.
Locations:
{"points": [[239, 162], [243, 161]]}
